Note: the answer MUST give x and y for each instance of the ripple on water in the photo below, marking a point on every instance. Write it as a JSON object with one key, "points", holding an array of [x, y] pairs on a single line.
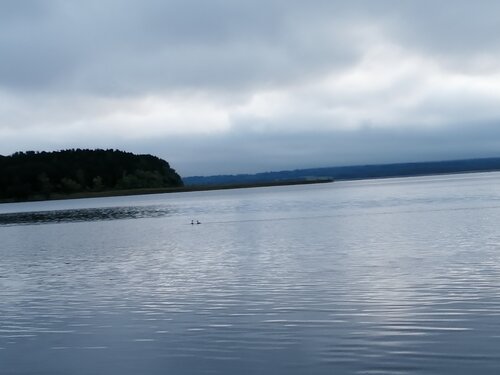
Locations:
{"points": [[84, 215], [412, 290]]}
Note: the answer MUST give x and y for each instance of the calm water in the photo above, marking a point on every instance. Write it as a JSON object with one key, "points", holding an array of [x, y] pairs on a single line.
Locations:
{"points": [[397, 276]]}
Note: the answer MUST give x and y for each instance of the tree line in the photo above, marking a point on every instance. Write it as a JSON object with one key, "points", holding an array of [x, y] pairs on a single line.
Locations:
{"points": [[353, 172], [31, 174]]}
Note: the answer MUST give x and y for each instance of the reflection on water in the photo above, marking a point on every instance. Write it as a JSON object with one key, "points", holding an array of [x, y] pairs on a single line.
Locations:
{"points": [[369, 277], [83, 214]]}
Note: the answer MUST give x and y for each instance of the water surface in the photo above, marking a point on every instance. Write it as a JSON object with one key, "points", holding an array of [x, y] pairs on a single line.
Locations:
{"points": [[396, 276]]}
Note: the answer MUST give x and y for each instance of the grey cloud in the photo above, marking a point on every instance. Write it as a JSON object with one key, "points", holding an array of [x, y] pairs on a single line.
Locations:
{"points": [[119, 47], [52, 49], [131, 47], [459, 35], [240, 152]]}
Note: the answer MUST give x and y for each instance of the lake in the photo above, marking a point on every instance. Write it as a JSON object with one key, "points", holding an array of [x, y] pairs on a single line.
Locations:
{"points": [[390, 276]]}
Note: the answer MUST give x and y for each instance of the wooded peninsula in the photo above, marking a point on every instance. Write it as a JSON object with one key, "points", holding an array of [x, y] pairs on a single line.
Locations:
{"points": [[47, 175]]}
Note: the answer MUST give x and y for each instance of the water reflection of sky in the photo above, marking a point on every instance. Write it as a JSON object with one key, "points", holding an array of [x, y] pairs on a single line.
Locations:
{"points": [[365, 290]]}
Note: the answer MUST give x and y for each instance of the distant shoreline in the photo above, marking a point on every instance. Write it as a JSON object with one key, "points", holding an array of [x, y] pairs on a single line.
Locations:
{"points": [[184, 189], [195, 188], [355, 172]]}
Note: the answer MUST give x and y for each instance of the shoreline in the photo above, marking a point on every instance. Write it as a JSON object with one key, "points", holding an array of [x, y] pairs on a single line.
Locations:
{"points": [[183, 189], [195, 188]]}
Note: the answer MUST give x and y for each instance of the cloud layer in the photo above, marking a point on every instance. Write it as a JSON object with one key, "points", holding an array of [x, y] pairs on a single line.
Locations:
{"points": [[226, 86]]}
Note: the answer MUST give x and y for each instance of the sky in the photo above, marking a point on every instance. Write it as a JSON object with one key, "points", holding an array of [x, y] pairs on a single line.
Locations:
{"points": [[230, 86]]}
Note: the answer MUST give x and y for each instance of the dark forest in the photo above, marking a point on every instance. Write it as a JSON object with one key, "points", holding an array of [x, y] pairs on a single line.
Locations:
{"points": [[41, 175]]}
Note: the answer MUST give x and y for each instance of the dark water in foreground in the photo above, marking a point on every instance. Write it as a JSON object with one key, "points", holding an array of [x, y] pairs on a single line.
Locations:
{"points": [[396, 276]]}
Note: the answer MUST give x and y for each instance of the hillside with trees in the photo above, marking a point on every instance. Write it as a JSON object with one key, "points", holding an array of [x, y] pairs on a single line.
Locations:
{"points": [[42, 175]]}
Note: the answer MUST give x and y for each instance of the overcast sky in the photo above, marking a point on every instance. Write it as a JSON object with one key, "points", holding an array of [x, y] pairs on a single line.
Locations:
{"points": [[228, 86]]}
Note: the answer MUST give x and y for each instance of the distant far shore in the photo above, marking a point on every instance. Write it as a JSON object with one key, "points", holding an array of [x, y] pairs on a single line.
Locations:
{"points": [[293, 177], [183, 189], [356, 172]]}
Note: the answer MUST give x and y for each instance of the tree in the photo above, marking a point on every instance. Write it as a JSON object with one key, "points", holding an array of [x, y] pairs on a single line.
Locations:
{"points": [[34, 174]]}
